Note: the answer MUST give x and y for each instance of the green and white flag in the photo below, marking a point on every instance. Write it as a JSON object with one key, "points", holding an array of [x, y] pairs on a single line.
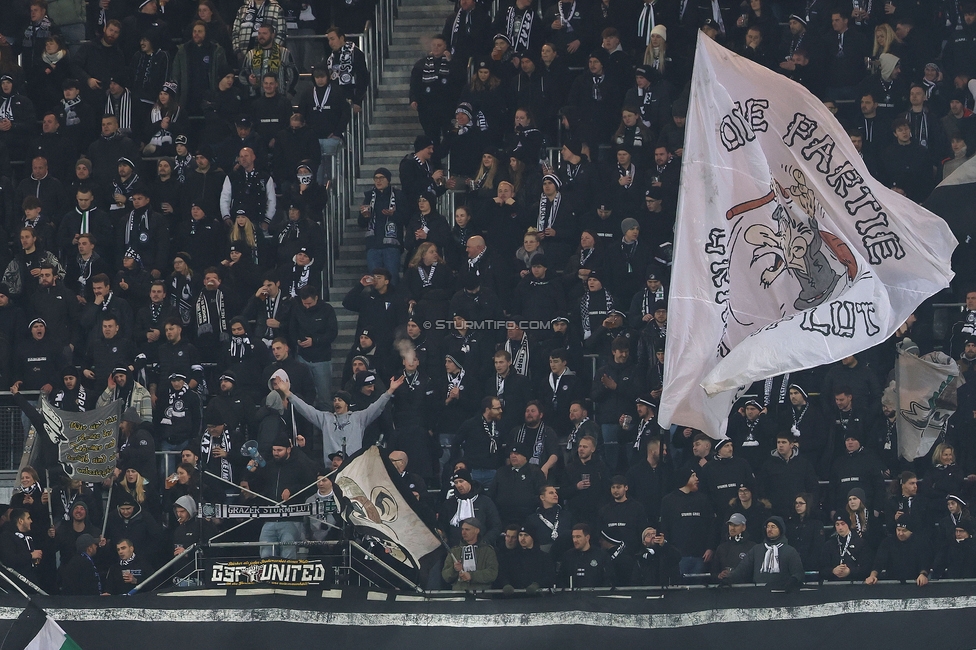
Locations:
{"points": [[52, 637], [34, 629]]}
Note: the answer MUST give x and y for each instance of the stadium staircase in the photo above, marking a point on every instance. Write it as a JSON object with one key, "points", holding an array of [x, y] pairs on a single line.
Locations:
{"points": [[391, 130]]}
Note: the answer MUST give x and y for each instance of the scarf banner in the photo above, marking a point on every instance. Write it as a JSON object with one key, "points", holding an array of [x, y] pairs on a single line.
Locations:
{"points": [[283, 573], [87, 441], [234, 511], [926, 387], [365, 483], [788, 255]]}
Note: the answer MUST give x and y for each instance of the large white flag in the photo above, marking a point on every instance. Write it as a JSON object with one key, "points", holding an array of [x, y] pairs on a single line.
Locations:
{"points": [[787, 253], [926, 387]]}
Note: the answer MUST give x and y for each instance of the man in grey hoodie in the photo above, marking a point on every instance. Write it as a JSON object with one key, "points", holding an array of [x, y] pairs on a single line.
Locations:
{"points": [[341, 430], [773, 563]]}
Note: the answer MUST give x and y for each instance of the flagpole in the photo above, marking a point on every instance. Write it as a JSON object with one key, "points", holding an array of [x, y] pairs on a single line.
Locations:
{"points": [[14, 585], [108, 507]]}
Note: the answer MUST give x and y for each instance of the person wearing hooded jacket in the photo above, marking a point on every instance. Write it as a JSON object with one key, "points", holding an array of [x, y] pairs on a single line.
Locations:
{"points": [[773, 563], [341, 430], [128, 520], [785, 474]]}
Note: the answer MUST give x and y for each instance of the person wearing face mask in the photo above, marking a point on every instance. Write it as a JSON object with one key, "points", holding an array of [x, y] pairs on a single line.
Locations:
{"points": [[308, 193]]}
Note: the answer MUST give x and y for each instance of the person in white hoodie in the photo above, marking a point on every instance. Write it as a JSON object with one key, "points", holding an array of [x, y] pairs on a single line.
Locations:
{"points": [[341, 430]]}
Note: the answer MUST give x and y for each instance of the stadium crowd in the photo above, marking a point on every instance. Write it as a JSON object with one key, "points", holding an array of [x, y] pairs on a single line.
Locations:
{"points": [[166, 249]]}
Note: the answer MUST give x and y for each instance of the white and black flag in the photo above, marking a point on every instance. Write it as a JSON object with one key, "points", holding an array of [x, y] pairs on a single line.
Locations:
{"points": [[368, 488], [787, 253]]}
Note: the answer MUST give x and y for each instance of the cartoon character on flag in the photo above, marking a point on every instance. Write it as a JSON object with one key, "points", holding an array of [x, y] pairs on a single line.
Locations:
{"points": [[815, 258]]}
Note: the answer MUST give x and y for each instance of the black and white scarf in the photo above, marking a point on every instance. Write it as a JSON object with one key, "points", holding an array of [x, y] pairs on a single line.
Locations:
{"points": [[6, 108], [454, 381], [176, 406], [519, 28], [435, 70], [253, 18], [844, 548], [427, 278], [304, 275], [564, 18], [492, 432], [520, 354], [182, 297], [553, 525], [646, 22], [585, 311], [537, 444], [291, 230], [121, 107], [240, 346], [124, 187], [205, 319], [596, 91], [320, 104], [207, 446], [629, 172], [783, 389], [371, 226], [271, 310], [457, 30], [548, 210], [644, 431], [64, 396], [770, 562], [341, 65], [571, 442], [71, 117], [650, 298], [85, 268]]}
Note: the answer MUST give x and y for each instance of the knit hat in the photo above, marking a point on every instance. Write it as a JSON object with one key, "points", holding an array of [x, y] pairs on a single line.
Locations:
{"points": [[683, 475], [126, 161], [778, 521], [859, 493], [842, 516], [463, 474], [554, 179], [131, 415], [575, 146], [383, 171], [721, 443], [799, 389], [183, 255], [906, 521], [465, 108], [539, 260], [599, 54], [281, 440], [888, 62], [798, 18], [343, 395], [421, 142], [953, 497], [171, 88], [365, 379], [84, 162], [472, 521], [628, 224], [660, 30]]}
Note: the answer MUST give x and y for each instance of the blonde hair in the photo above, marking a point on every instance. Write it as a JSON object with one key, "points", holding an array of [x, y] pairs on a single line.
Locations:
{"points": [[489, 173], [245, 234], [418, 257], [937, 452], [649, 56], [889, 38], [139, 492]]}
